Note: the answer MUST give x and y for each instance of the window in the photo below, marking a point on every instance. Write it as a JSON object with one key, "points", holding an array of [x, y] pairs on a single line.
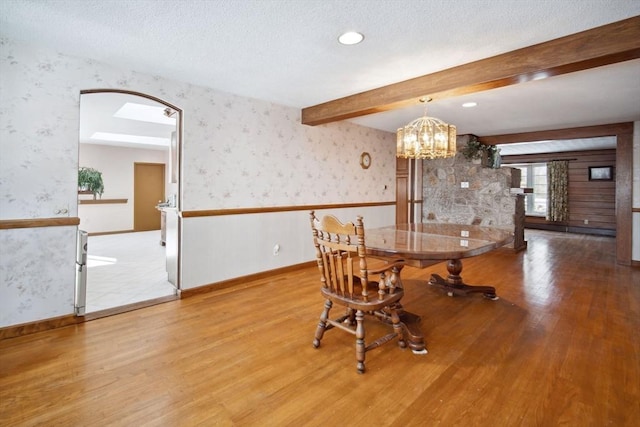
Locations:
{"points": [[534, 175]]}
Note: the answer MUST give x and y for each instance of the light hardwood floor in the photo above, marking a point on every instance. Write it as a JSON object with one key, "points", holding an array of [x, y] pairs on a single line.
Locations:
{"points": [[560, 347]]}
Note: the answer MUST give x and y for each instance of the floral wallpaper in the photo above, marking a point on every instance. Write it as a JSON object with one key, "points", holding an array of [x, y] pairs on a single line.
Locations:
{"points": [[37, 273], [237, 152], [267, 158]]}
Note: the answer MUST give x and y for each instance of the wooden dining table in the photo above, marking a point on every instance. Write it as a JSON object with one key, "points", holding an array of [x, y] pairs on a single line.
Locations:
{"points": [[425, 244]]}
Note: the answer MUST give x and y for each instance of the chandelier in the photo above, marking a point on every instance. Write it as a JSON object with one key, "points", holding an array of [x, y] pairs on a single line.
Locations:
{"points": [[426, 138]]}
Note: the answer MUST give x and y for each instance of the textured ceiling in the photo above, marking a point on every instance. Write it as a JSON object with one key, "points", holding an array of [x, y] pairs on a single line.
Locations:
{"points": [[285, 51]]}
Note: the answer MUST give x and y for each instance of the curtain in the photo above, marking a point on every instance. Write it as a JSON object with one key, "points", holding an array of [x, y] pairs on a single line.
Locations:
{"points": [[558, 190]]}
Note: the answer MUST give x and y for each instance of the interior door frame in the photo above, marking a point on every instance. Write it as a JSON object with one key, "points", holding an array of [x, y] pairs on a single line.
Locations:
{"points": [[623, 132], [178, 155], [408, 191]]}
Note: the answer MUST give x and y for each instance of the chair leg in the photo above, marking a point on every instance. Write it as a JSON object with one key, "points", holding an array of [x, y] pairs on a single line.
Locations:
{"points": [[322, 325], [360, 349], [398, 327]]}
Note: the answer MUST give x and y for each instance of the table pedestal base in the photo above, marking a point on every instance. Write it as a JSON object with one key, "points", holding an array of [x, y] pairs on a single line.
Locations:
{"points": [[454, 285], [413, 332], [410, 326]]}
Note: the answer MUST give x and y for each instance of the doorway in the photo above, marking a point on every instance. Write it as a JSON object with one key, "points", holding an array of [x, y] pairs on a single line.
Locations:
{"points": [[135, 140]]}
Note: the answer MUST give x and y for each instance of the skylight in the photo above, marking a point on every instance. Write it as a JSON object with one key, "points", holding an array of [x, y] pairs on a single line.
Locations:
{"points": [[136, 139], [144, 113]]}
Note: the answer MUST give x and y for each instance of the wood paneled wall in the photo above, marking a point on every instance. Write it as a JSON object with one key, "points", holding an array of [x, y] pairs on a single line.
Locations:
{"points": [[594, 201]]}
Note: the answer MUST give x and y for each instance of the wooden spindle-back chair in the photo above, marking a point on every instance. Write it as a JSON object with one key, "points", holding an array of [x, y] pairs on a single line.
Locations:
{"points": [[345, 280]]}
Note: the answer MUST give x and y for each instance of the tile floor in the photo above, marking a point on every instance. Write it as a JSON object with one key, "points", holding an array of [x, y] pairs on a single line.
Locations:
{"points": [[125, 268]]}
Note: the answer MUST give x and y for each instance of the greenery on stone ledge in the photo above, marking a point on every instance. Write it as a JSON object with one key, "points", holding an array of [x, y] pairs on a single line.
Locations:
{"points": [[477, 150]]}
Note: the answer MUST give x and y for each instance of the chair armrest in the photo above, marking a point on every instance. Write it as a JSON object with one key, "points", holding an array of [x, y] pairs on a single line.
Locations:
{"points": [[397, 264]]}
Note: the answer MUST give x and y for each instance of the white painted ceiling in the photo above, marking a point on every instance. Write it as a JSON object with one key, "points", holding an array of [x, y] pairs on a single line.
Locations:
{"points": [[286, 51], [536, 147]]}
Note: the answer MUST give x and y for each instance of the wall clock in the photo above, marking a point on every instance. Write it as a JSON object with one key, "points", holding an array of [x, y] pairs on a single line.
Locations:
{"points": [[365, 160]]}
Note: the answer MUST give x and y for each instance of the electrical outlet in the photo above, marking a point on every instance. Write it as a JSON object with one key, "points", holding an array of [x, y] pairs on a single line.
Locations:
{"points": [[586, 222], [464, 184], [61, 211], [276, 249]]}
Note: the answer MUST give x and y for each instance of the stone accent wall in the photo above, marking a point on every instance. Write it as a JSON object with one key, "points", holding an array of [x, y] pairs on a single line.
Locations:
{"points": [[487, 201]]}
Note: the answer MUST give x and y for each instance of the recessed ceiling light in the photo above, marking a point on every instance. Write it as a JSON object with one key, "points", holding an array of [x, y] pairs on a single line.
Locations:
{"points": [[469, 104], [540, 76], [350, 37]]}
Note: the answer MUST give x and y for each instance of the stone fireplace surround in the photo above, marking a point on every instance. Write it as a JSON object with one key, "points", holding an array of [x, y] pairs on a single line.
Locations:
{"points": [[487, 201]]}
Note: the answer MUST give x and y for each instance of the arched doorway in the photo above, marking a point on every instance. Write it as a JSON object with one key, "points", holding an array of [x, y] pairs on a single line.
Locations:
{"points": [[136, 140]]}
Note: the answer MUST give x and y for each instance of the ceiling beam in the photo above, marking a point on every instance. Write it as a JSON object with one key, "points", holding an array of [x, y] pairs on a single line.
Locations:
{"points": [[559, 134], [608, 44]]}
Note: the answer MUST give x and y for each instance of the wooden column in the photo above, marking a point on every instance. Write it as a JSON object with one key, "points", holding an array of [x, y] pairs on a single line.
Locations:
{"points": [[518, 234], [624, 181], [402, 191]]}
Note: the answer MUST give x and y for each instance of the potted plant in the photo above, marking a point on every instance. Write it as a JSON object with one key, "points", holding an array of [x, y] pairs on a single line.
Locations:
{"points": [[90, 181], [477, 150]]}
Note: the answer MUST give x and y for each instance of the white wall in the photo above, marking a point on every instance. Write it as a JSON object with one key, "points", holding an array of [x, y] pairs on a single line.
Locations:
{"points": [[237, 153], [116, 165], [251, 238]]}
